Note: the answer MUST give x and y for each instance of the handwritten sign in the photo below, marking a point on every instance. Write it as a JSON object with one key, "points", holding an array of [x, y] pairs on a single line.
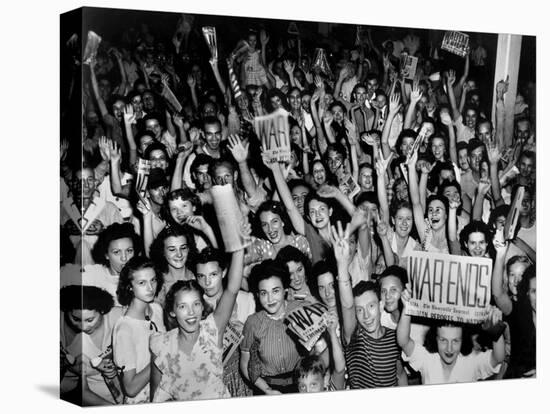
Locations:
{"points": [[274, 135], [449, 287], [307, 322], [232, 338], [229, 217], [457, 43]]}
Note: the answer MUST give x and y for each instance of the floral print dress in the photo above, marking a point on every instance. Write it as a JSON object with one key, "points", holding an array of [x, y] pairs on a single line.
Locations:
{"points": [[189, 377]]}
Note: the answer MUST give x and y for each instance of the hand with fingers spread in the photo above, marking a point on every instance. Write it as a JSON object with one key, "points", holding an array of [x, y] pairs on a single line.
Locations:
{"points": [[104, 148], [416, 93], [238, 149], [319, 84], [340, 244], [129, 115], [451, 77], [114, 152], [412, 157], [289, 66], [370, 138], [395, 104]]}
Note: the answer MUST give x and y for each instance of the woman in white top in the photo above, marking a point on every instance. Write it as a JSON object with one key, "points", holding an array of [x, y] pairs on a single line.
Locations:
{"points": [[138, 285]]}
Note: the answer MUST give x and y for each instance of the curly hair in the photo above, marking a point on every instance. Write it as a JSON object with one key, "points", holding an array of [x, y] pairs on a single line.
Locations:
{"points": [[477, 226], [124, 291], [366, 286], [309, 365], [183, 286], [207, 255], [430, 343], [185, 194], [76, 297], [292, 254], [318, 269], [157, 247], [265, 270], [277, 208], [115, 231]]}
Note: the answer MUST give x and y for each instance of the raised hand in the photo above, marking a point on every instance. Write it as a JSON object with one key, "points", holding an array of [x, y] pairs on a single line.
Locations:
{"points": [[191, 81], [446, 118], [493, 319], [144, 205], [395, 104], [195, 134], [493, 153], [382, 228], [319, 84], [359, 219], [289, 66], [164, 78], [104, 148], [484, 186], [340, 243], [406, 296], [370, 139], [63, 149], [327, 118], [264, 38], [114, 152], [129, 115], [178, 120], [451, 77], [328, 191], [344, 72], [426, 167], [454, 202], [416, 93], [184, 150], [239, 151], [502, 87], [269, 161]]}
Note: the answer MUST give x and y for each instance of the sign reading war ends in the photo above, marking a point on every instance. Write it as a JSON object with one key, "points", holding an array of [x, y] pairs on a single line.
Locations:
{"points": [[274, 135], [449, 287]]}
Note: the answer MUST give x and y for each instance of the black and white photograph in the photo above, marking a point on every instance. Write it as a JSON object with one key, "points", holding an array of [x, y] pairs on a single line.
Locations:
{"points": [[255, 206]]}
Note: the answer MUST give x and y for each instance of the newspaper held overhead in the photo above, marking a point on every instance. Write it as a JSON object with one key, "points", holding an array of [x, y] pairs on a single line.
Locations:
{"points": [[457, 43], [308, 322], [144, 167], [92, 44], [513, 215], [274, 135], [449, 287], [408, 65], [229, 217]]}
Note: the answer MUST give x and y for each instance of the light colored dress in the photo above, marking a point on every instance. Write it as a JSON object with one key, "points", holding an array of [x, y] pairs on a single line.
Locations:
{"points": [[189, 377]]}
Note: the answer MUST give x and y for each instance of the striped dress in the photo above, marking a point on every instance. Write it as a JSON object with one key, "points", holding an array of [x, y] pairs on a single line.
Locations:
{"points": [[371, 362]]}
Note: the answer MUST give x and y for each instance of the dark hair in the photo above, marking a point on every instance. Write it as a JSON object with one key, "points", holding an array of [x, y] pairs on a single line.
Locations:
{"points": [[476, 226], [211, 120], [434, 197], [318, 269], [498, 211], [115, 231], [157, 247], [475, 143], [292, 254], [185, 194], [368, 196], [124, 291], [336, 147], [201, 159], [274, 207], [221, 162], [366, 286], [142, 134], [311, 364], [396, 271], [314, 196], [182, 286], [296, 182], [430, 343], [207, 255], [265, 270], [523, 285], [156, 146], [276, 92], [76, 297], [406, 133]]}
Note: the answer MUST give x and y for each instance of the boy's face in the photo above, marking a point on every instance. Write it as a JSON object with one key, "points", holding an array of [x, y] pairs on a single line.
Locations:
{"points": [[311, 383], [209, 276], [367, 311]]}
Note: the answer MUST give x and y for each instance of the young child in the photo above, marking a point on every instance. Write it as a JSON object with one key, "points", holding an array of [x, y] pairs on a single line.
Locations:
{"points": [[321, 371]]}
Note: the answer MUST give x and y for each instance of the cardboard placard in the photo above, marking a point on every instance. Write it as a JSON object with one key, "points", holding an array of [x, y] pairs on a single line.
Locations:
{"points": [[232, 338], [449, 287], [457, 43], [144, 166], [513, 215], [307, 322], [274, 135], [229, 217], [92, 44]]}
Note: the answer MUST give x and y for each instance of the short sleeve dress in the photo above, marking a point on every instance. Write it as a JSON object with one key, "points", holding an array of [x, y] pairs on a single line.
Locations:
{"points": [[196, 376]]}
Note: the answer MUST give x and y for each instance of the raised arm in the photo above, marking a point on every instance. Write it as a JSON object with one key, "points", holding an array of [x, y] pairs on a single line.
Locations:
{"points": [[382, 230], [500, 295], [448, 122], [223, 89], [493, 154], [450, 78], [337, 353], [452, 225], [123, 86], [418, 210], [129, 119], [394, 108], [416, 94], [240, 154], [95, 89], [500, 114], [342, 253], [192, 83], [381, 167], [404, 325], [482, 189], [286, 197], [223, 311]]}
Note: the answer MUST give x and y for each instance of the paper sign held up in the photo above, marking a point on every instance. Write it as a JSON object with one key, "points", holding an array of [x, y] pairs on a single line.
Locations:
{"points": [[274, 135], [144, 166], [457, 43], [232, 337], [449, 287], [408, 66], [307, 322], [229, 217], [513, 215]]}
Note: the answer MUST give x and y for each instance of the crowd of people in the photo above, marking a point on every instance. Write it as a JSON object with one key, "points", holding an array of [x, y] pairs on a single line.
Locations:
{"points": [[381, 165]]}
